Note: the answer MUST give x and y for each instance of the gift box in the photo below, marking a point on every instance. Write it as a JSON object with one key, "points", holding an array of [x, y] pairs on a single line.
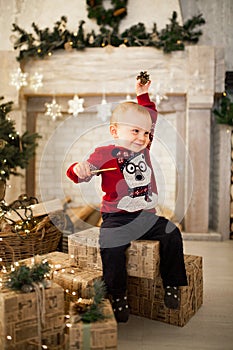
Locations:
{"points": [[29, 320], [143, 259], [99, 335], [146, 296], [142, 256], [83, 249], [76, 283], [56, 260]]}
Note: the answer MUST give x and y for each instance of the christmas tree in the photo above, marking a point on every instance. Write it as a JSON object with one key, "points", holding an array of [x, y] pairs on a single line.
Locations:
{"points": [[15, 150]]}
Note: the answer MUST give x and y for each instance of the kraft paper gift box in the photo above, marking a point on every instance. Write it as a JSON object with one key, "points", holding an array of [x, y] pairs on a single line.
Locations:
{"points": [[146, 296], [24, 325], [56, 260], [76, 283], [101, 335], [142, 256]]}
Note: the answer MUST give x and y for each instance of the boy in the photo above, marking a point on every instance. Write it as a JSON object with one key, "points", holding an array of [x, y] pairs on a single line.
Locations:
{"points": [[128, 204]]}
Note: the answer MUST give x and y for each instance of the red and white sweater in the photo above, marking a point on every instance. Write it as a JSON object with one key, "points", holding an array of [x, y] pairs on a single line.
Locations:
{"points": [[131, 187]]}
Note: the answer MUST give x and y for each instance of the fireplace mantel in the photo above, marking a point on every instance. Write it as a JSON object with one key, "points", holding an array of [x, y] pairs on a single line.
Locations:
{"points": [[94, 69]]}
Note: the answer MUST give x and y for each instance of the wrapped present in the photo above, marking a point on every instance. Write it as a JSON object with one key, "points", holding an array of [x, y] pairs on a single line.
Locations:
{"points": [[146, 296], [143, 259], [142, 256], [32, 320], [101, 334], [83, 248], [76, 283], [56, 260]]}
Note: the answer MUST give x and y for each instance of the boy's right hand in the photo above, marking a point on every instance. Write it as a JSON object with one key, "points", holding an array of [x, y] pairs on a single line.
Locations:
{"points": [[82, 170], [142, 88]]}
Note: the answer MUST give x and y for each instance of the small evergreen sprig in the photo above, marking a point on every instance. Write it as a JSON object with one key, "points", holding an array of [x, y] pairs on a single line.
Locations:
{"points": [[25, 275], [174, 36], [94, 311], [224, 115]]}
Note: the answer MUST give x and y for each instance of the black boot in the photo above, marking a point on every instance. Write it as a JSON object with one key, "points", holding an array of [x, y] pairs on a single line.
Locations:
{"points": [[120, 308], [172, 297]]}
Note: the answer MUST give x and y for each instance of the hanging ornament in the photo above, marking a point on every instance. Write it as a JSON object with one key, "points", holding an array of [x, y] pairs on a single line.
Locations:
{"points": [[91, 39], [53, 110], [68, 46], [18, 79], [104, 110], [76, 105], [2, 143], [36, 81], [109, 48]]}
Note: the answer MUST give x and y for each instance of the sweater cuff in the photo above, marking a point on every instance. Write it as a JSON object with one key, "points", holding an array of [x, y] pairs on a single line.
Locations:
{"points": [[144, 98]]}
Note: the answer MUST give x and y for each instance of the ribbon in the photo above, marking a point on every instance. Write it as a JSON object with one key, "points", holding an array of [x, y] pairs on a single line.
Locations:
{"points": [[86, 336]]}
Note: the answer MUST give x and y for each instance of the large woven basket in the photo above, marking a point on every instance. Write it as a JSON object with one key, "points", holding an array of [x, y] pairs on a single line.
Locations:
{"points": [[42, 239]]}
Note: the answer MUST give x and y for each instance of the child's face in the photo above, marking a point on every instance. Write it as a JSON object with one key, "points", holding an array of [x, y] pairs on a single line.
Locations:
{"points": [[132, 131]]}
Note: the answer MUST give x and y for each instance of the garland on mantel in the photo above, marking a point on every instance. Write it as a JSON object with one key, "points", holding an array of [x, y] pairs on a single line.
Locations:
{"points": [[43, 42]]}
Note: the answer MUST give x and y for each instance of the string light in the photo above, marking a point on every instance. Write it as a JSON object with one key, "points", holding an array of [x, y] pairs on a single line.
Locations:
{"points": [[18, 78], [53, 109], [36, 81]]}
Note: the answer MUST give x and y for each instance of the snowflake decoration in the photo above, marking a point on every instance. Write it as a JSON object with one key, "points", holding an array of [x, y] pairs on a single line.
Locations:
{"points": [[53, 110], [104, 110], [158, 96], [18, 79], [36, 81], [76, 105]]}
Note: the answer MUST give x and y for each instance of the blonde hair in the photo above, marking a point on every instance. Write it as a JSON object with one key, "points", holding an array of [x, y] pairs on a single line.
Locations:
{"points": [[124, 107]]}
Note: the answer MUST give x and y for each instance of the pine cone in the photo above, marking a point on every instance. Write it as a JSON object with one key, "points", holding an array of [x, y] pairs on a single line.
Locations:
{"points": [[144, 77]]}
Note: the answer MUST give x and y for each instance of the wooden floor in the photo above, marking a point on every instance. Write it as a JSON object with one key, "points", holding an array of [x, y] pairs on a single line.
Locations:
{"points": [[211, 327]]}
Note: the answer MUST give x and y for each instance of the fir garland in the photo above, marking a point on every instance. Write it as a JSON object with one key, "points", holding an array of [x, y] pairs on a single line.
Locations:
{"points": [[42, 43]]}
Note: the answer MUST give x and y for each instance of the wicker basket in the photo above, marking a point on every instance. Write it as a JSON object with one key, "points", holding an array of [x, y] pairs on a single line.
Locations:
{"points": [[42, 239]]}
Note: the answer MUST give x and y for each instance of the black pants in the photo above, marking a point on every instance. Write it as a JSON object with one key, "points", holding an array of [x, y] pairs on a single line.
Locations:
{"points": [[116, 233]]}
